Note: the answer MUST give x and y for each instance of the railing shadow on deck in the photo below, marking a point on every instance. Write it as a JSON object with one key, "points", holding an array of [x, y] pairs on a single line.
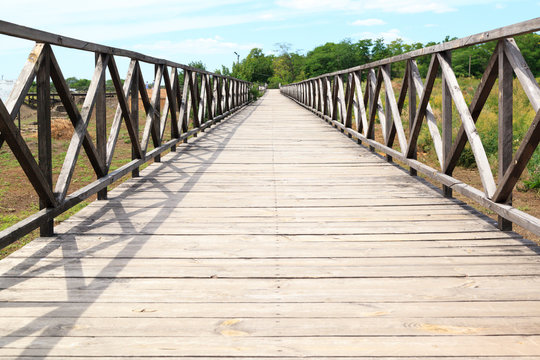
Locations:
{"points": [[339, 99], [134, 241], [202, 100]]}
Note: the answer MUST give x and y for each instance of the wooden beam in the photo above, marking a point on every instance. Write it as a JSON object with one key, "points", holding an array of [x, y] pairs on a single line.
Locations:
{"points": [[394, 110], [523, 72], [468, 123], [43, 82], [446, 123], [151, 109], [424, 101], [23, 83], [39, 36], [25, 157], [72, 154], [123, 112], [479, 99], [519, 162], [136, 152], [101, 126], [375, 104], [505, 138], [430, 117], [183, 117], [75, 116], [359, 108]]}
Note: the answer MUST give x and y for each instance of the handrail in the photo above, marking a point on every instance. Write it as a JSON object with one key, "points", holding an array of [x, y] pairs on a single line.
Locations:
{"points": [[202, 100], [337, 97]]}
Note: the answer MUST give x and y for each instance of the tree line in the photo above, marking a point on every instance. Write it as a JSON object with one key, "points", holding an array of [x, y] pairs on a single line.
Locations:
{"points": [[289, 66]]}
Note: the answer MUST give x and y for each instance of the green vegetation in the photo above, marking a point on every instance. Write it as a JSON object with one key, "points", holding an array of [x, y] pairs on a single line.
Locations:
{"points": [[291, 66]]}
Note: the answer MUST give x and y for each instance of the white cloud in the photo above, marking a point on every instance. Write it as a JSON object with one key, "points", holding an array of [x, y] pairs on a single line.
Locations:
{"points": [[500, 6], [390, 6], [369, 22], [399, 6], [388, 36], [188, 47]]}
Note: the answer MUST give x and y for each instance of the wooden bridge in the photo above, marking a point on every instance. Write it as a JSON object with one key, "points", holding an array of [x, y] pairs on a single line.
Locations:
{"points": [[270, 235]]}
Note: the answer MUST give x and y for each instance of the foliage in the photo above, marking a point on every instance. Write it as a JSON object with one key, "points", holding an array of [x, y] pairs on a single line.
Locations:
{"points": [[81, 85], [534, 171], [254, 92], [256, 67]]}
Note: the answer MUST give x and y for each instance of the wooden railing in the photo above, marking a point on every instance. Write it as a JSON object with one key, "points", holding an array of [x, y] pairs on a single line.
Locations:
{"points": [[338, 98], [205, 98]]}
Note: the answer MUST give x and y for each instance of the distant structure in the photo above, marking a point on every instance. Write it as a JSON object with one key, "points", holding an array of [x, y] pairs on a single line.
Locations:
{"points": [[5, 88]]}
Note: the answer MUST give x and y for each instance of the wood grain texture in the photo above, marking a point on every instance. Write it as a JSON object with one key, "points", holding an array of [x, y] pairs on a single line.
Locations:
{"points": [[249, 244]]}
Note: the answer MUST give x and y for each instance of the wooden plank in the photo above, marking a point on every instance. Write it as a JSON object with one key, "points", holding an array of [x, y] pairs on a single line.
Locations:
{"points": [[249, 244], [272, 327], [254, 347]]}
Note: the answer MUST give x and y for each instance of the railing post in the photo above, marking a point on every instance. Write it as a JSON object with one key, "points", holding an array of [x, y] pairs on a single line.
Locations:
{"points": [[446, 121], [505, 125], [44, 132], [135, 114], [101, 127], [388, 112], [412, 111], [157, 111]]}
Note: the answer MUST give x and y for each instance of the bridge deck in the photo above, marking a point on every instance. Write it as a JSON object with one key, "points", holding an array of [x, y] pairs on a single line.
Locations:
{"points": [[273, 236]]}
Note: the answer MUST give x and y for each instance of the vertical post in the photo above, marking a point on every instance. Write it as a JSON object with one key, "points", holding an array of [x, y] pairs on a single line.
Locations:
{"points": [[412, 110], [446, 121], [388, 113], [324, 97], [135, 113], [44, 132], [505, 124], [173, 104], [157, 111], [370, 93], [101, 127]]}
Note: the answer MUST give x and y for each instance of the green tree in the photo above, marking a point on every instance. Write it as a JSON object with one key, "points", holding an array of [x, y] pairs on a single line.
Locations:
{"points": [[256, 67]]}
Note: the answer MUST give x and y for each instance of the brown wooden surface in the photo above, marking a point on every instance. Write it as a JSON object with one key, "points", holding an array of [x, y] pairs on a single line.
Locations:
{"points": [[246, 243]]}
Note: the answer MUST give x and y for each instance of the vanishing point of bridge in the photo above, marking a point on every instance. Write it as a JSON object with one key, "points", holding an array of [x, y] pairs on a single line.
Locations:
{"points": [[269, 236]]}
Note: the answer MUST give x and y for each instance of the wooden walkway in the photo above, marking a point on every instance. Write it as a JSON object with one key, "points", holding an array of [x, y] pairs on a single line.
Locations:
{"points": [[273, 236]]}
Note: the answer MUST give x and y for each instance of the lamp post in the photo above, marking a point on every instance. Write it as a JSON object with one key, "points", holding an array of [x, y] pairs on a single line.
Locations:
{"points": [[237, 58]]}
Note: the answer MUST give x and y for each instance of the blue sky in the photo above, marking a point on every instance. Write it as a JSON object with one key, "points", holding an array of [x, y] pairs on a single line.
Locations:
{"points": [[212, 30]]}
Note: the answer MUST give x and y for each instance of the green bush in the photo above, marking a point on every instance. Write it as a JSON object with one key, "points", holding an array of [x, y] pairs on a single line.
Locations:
{"points": [[534, 171], [254, 92], [466, 159]]}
